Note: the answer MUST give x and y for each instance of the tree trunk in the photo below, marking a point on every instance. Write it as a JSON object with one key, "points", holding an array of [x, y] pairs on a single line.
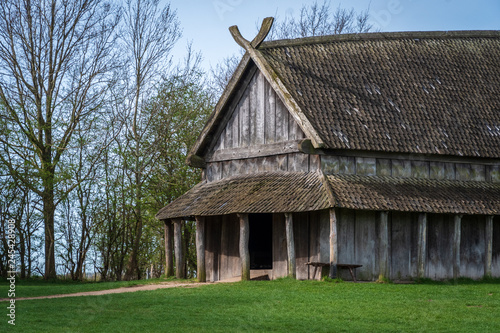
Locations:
{"points": [[48, 215]]}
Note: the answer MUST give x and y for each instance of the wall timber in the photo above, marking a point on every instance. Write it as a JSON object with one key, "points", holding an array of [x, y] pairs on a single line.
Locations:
{"points": [[367, 166]]}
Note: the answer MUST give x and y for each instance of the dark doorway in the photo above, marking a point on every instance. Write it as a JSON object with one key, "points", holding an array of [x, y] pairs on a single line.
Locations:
{"points": [[260, 244]]}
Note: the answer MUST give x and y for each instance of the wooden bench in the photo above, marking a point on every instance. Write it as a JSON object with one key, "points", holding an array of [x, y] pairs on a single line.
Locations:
{"points": [[350, 267]]}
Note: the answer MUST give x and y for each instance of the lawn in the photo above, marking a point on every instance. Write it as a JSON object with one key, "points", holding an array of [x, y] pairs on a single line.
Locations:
{"points": [[272, 306]]}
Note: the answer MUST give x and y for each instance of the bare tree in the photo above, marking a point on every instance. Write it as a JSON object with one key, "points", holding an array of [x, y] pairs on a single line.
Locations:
{"points": [[149, 35], [54, 58]]}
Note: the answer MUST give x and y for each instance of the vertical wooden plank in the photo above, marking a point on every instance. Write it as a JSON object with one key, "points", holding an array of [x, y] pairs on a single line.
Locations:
{"points": [[290, 244], [420, 169], [228, 140], [314, 244], [449, 171], [463, 171], [224, 248], [169, 248], [347, 165], [270, 114], [366, 166], [201, 272], [244, 253], [234, 245], [244, 119], [478, 172], [403, 246], [281, 121], [457, 220], [236, 127], [401, 168], [383, 167], [261, 102], [329, 164], [436, 170], [253, 106], [314, 163], [472, 246], [489, 246], [365, 245], [282, 162], [383, 246], [494, 173], [292, 128], [180, 272], [422, 245], [280, 255], [324, 240], [345, 240], [301, 241], [333, 243]]}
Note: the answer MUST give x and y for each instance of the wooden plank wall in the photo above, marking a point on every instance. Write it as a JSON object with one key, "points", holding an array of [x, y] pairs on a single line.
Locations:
{"points": [[472, 246], [285, 162], [280, 256], [365, 166], [495, 262], [259, 117], [404, 245], [439, 246]]}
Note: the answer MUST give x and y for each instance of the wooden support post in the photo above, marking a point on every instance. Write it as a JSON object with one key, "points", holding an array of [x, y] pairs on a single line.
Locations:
{"points": [[457, 226], [180, 272], [383, 246], [169, 248], [290, 245], [422, 245], [244, 253], [489, 246], [333, 243], [201, 272]]}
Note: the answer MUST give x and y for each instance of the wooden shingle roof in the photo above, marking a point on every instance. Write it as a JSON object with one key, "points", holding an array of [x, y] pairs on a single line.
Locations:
{"points": [[280, 192], [420, 92]]}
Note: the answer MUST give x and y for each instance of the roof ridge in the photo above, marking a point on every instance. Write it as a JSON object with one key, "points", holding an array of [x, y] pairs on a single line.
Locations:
{"points": [[382, 36]]}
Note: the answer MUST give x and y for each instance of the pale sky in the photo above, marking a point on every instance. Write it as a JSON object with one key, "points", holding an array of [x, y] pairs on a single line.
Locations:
{"points": [[206, 22]]}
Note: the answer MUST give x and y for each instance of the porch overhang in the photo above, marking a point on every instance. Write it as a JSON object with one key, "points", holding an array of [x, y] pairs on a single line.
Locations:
{"points": [[288, 192]]}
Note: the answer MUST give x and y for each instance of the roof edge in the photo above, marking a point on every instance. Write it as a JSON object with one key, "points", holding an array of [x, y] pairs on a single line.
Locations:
{"points": [[382, 36]]}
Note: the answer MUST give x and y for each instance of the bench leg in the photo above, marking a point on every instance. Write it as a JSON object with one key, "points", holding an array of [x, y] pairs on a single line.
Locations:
{"points": [[352, 274]]}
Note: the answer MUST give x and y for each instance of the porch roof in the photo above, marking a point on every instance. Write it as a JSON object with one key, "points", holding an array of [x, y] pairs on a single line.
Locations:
{"points": [[281, 192]]}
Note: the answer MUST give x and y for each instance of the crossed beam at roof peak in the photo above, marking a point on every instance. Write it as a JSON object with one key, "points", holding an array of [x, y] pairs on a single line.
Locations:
{"points": [[267, 23]]}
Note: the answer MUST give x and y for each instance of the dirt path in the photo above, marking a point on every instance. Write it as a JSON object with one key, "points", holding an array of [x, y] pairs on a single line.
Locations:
{"points": [[116, 290]]}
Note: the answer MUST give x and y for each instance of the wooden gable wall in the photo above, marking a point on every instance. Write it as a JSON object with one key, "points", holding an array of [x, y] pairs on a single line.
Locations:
{"points": [[260, 135]]}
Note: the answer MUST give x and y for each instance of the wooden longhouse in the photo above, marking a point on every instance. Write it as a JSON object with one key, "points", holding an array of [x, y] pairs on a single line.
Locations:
{"points": [[378, 149]]}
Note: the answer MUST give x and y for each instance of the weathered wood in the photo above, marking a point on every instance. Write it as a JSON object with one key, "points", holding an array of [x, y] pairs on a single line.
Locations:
{"points": [[488, 256], [420, 169], [345, 239], [201, 271], [195, 161], [401, 168], [267, 23], [422, 245], [244, 252], [478, 172], [270, 115], [366, 166], [169, 248], [472, 246], [290, 245], [244, 119], [463, 171], [280, 263], [329, 164], [281, 121], [384, 167], [403, 246], [255, 151], [457, 219], [260, 109], [383, 243], [347, 165], [180, 271], [365, 245], [333, 243]]}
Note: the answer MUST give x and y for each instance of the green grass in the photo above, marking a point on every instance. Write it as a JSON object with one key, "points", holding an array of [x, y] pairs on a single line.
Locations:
{"points": [[272, 306], [38, 287]]}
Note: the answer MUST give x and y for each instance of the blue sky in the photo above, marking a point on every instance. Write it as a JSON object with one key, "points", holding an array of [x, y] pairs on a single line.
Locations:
{"points": [[206, 22]]}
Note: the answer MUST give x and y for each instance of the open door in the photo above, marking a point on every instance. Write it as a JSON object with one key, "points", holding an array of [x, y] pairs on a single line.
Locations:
{"points": [[260, 243]]}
